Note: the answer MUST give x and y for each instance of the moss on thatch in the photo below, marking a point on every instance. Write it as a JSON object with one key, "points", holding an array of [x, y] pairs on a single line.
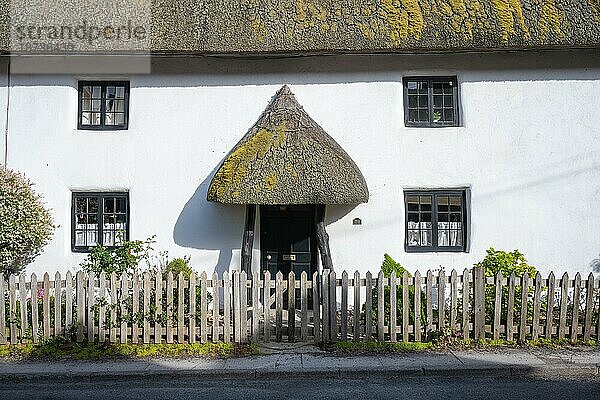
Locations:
{"points": [[287, 158]]}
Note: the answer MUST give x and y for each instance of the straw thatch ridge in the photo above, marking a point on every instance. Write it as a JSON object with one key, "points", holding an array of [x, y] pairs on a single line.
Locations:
{"points": [[287, 158]]}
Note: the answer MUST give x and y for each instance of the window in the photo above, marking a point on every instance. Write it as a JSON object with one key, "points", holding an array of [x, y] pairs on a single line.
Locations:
{"points": [[431, 102], [435, 220], [103, 105], [99, 218]]}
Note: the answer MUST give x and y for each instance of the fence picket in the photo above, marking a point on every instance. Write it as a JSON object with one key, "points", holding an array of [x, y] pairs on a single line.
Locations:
{"points": [[255, 307], [380, 307], [325, 316], [393, 307], [90, 326], [429, 301], [564, 298], [12, 308], [356, 308], [34, 309], [589, 308], [510, 308], [466, 305], [498, 305], [405, 307], [479, 303], [267, 306], [114, 290], [203, 309], [80, 307], [417, 304], [226, 308], [316, 307], [244, 306], [135, 307], [524, 301], [146, 307], [192, 303], [158, 317], [441, 300], [537, 293], [368, 307], [453, 299], [278, 306], [170, 307], [102, 308], [181, 285], [550, 306], [237, 332], [215, 307], [68, 300], [23, 306], [291, 307], [575, 317], [46, 305], [333, 306], [58, 328], [344, 308], [303, 306], [124, 296]]}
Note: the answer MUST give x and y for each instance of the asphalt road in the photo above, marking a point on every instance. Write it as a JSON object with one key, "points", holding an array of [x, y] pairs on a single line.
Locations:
{"points": [[357, 389]]}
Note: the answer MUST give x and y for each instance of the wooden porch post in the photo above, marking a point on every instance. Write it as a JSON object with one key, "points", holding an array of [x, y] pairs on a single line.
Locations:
{"points": [[322, 237], [248, 238]]}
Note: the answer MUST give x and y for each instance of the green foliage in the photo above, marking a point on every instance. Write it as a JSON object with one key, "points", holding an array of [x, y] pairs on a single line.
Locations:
{"points": [[501, 261], [26, 226], [388, 266], [54, 350], [355, 348], [124, 258], [177, 266]]}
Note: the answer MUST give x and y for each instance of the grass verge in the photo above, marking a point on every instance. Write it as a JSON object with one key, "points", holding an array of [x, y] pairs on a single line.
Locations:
{"points": [[96, 351]]}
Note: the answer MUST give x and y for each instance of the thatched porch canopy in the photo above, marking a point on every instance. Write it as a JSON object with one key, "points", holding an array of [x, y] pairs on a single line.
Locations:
{"points": [[287, 158]]}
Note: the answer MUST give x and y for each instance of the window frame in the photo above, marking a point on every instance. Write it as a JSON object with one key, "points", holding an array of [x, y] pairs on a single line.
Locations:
{"points": [[435, 248], [430, 80], [101, 196], [103, 126]]}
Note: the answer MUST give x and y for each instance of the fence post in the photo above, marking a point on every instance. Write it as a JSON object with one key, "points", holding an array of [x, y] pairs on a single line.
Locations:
{"points": [[278, 306], [325, 316], [479, 300], [393, 306], [344, 310], [380, 307], [550, 306], [90, 308], [2, 310], [34, 309], [303, 306], [102, 308], [203, 309], [316, 306], [333, 306], [441, 300], [215, 307], [356, 314], [80, 290], [181, 283], [466, 304], [429, 300], [158, 308], [368, 307], [192, 302], [255, 306], [575, 320], [170, 307], [267, 306], [23, 305], [226, 307], [12, 311], [291, 307], [417, 303], [535, 321], [589, 308], [135, 307], [498, 305], [124, 296]]}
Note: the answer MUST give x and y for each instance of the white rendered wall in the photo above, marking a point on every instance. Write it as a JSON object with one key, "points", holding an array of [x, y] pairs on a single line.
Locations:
{"points": [[528, 148]]}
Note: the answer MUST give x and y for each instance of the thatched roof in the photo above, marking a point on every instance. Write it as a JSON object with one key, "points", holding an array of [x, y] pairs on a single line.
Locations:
{"points": [[287, 158], [312, 26]]}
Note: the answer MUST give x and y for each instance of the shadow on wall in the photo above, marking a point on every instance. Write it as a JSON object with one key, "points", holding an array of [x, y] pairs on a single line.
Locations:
{"points": [[595, 264], [205, 225]]}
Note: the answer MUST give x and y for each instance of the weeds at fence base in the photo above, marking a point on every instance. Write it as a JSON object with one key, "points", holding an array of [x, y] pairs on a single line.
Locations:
{"points": [[358, 348], [96, 351]]}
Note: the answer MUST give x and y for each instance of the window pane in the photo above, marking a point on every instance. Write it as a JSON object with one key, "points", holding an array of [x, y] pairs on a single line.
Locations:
{"points": [[442, 203], [120, 92], [426, 238], [443, 238], [423, 86], [95, 105], [80, 238], [119, 118], [109, 205], [121, 205], [109, 119], [119, 105], [413, 116], [448, 115], [413, 101], [423, 115], [110, 92], [413, 217], [94, 119], [413, 237], [423, 101]]}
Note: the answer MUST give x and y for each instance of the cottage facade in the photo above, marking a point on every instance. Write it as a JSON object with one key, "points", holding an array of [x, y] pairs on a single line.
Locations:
{"points": [[430, 156]]}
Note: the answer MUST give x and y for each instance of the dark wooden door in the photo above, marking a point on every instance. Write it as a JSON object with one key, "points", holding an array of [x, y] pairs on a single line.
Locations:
{"points": [[287, 239]]}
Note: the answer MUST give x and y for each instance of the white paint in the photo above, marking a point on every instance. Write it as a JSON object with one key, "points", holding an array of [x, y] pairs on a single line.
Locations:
{"points": [[528, 147]]}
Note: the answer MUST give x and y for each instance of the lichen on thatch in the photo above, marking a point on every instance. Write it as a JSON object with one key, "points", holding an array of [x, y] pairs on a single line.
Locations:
{"points": [[287, 158]]}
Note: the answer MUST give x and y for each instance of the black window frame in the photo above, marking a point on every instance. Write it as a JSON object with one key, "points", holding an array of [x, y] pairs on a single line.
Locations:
{"points": [[435, 248], [103, 126], [101, 196], [430, 80]]}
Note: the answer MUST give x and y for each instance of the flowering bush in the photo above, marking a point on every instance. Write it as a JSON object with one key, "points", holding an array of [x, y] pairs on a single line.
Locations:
{"points": [[26, 226]]}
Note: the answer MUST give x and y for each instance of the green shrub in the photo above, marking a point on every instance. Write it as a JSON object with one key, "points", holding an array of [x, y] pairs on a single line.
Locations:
{"points": [[124, 258], [177, 266], [506, 262], [26, 226], [388, 266]]}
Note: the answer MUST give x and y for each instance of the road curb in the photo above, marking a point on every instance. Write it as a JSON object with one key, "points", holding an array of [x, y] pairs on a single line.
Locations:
{"points": [[349, 373]]}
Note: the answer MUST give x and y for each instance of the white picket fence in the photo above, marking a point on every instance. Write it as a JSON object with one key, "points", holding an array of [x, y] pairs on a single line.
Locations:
{"points": [[327, 307]]}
